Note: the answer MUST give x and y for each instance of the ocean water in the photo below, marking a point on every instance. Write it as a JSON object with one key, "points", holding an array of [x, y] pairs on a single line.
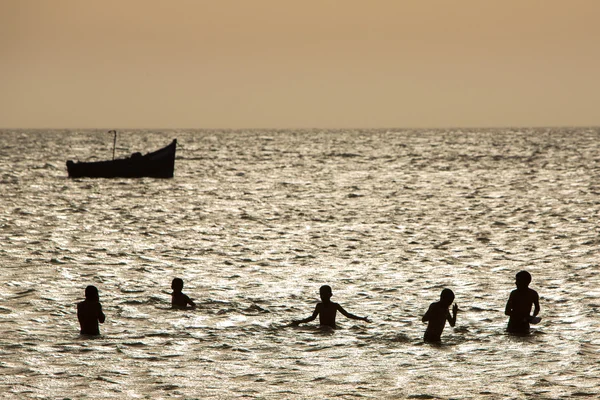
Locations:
{"points": [[256, 221]]}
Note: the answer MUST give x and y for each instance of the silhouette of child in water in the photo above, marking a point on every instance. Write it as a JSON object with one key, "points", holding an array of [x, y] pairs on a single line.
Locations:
{"points": [[89, 312], [326, 310], [518, 306], [178, 299], [438, 314]]}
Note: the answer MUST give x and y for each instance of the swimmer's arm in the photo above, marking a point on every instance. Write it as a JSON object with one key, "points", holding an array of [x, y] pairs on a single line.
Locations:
{"points": [[190, 302], [427, 315], [351, 316], [79, 313], [312, 317], [536, 305], [452, 318], [101, 316], [508, 309]]}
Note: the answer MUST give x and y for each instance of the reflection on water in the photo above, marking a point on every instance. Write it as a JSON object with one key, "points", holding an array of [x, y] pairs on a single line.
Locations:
{"points": [[255, 222]]}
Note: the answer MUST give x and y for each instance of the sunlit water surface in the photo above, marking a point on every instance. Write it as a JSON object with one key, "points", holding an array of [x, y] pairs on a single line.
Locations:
{"points": [[255, 221]]}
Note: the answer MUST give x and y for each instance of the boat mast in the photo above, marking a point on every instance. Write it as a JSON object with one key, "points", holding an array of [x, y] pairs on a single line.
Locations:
{"points": [[114, 142]]}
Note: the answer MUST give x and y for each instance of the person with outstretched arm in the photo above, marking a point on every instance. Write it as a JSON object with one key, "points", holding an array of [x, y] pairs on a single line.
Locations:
{"points": [[326, 310]]}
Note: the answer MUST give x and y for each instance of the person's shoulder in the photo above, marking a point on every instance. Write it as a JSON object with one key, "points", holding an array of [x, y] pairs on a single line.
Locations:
{"points": [[179, 296], [533, 292]]}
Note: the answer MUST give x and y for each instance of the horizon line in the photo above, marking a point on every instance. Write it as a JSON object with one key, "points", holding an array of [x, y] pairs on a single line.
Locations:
{"points": [[311, 128]]}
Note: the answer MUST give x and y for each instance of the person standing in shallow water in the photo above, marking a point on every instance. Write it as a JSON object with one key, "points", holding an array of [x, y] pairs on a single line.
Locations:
{"points": [[437, 315], [519, 304], [327, 310], [178, 299], [89, 312]]}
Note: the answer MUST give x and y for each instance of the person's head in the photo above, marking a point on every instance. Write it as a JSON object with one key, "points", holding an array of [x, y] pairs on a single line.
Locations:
{"points": [[91, 293], [177, 284], [325, 292], [523, 279], [447, 297]]}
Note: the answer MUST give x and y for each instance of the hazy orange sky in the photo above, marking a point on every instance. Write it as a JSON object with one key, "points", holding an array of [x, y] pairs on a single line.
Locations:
{"points": [[298, 64]]}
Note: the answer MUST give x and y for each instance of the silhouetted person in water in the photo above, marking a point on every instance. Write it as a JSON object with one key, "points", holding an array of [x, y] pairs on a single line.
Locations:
{"points": [[326, 310], [178, 299], [519, 304], [437, 315], [89, 312]]}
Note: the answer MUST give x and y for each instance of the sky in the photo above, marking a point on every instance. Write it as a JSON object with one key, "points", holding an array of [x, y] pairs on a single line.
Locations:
{"points": [[236, 64]]}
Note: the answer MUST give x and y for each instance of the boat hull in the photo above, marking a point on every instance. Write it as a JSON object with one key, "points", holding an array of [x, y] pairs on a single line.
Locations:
{"points": [[157, 164]]}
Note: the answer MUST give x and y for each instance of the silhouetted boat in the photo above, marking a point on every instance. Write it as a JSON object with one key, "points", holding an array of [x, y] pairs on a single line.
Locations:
{"points": [[158, 164]]}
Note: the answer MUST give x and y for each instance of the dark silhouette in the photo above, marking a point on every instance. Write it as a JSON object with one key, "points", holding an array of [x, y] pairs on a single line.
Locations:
{"points": [[437, 315], [326, 310], [518, 306], [178, 299], [157, 164], [89, 312], [114, 142]]}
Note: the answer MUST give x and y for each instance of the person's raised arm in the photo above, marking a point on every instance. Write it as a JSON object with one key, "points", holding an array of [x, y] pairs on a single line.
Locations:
{"points": [[351, 316], [312, 317]]}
